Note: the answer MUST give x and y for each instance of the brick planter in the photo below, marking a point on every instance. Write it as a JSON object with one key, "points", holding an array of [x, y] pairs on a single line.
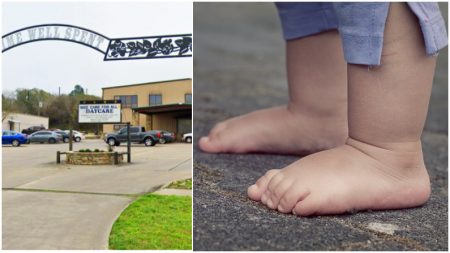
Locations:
{"points": [[92, 158]]}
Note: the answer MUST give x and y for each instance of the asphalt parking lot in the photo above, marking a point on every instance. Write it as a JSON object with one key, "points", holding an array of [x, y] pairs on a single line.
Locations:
{"points": [[60, 206]]}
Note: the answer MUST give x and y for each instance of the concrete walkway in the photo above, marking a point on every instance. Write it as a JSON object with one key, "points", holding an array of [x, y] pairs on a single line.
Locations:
{"points": [[49, 206], [52, 220], [239, 67], [178, 192]]}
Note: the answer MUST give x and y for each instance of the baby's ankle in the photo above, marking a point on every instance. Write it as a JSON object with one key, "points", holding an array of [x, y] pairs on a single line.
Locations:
{"points": [[405, 157], [333, 112]]}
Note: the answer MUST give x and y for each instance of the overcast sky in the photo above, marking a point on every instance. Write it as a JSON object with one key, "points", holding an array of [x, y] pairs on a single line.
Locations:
{"points": [[50, 64]]}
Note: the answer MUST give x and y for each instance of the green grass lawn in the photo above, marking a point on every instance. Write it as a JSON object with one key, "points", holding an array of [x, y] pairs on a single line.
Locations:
{"points": [[154, 222], [182, 184]]}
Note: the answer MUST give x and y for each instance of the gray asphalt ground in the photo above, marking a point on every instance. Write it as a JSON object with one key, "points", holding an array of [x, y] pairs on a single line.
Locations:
{"points": [[50, 206], [239, 67]]}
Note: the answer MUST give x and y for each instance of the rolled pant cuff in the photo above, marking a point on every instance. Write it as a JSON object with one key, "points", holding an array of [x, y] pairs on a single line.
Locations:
{"points": [[297, 26], [435, 34], [365, 50]]}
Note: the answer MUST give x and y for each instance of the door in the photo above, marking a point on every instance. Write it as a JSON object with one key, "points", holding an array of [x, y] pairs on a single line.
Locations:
{"points": [[184, 126], [122, 135], [41, 137], [34, 137], [6, 138], [135, 134]]}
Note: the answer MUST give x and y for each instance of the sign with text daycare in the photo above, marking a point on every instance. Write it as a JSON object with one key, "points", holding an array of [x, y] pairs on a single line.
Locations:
{"points": [[99, 111]]}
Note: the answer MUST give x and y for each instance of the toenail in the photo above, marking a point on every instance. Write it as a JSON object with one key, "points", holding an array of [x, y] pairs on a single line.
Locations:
{"points": [[252, 188], [270, 203], [280, 208], [293, 212]]}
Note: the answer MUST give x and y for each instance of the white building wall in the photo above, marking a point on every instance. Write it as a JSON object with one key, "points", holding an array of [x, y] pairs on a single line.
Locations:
{"points": [[19, 121]]}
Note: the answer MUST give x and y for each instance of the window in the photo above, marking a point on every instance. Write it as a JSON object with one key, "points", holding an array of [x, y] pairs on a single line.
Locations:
{"points": [[128, 101], [188, 98], [117, 127], [155, 99]]}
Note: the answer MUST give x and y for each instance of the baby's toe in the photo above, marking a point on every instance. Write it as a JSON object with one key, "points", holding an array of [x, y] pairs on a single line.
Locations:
{"points": [[306, 207], [265, 197], [221, 139], [291, 197], [209, 145], [279, 187], [218, 129], [255, 191]]}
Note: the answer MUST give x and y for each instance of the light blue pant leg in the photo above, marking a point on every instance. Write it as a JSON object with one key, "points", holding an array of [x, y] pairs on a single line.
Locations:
{"points": [[303, 19], [361, 25], [432, 24]]}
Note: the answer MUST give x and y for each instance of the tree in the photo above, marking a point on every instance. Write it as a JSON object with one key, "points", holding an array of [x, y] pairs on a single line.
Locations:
{"points": [[61, 110], [77, 91], [28, 100], [8, 104]]}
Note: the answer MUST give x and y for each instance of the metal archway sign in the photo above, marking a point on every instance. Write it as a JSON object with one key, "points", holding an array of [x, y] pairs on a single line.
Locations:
{"points": [[150, 47]]}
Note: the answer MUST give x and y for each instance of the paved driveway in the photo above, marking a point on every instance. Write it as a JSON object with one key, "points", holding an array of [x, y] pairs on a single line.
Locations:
{"points": [[50, 206]]}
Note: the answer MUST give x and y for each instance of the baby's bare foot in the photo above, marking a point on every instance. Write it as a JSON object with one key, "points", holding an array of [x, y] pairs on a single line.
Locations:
{"points": [[354, 176], [277, 130]]}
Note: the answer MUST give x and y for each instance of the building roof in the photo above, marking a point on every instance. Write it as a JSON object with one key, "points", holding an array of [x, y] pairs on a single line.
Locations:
{"points": [[8, 114], [128, 85], [153, 109]]}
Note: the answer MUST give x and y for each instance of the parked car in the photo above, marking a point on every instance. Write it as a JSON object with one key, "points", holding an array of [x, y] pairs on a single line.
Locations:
{"points": [[45, 136], [137, 135], [14, 138], [166, 137], [32, 129], [187, 138], [77, 136], [64, 135]]}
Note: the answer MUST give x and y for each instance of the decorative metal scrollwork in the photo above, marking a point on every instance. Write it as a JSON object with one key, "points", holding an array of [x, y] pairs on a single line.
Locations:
{"points": [[150, 47], [113, 49]]}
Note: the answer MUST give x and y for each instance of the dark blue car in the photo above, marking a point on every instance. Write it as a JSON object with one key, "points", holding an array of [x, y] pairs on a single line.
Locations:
{"points": [[14, 138]]}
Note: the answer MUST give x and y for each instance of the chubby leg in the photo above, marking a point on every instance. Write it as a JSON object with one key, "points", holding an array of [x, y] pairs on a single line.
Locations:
{"points": [[315, 117], [381, 164]]}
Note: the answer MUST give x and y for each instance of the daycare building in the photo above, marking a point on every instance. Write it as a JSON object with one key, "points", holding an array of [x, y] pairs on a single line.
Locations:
{"points": [[164, 105]]}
